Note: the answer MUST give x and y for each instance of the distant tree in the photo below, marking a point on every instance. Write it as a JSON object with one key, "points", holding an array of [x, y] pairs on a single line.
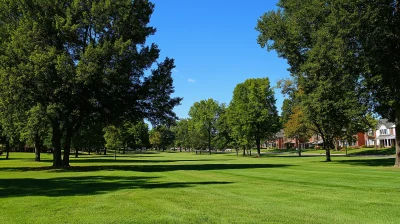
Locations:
{"points": [[35, 128], [113, 138], [181, 131], [141, 134], [162, 137], [253, 116], [155, 138], [298, 126], [89, 137], [223, 138], [80, 58], [204, 115]]}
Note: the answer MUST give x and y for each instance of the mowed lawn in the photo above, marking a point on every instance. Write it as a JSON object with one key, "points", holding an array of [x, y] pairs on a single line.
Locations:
{"points": [[189, 188]]}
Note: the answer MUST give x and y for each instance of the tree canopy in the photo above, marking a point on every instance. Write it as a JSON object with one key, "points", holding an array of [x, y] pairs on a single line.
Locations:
{"points": [[80, 59], [320, 60], [204, 115], [252, 113]]}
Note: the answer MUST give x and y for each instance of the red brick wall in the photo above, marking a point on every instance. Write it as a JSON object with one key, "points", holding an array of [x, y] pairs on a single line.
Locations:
{"points": [[360, 139]]}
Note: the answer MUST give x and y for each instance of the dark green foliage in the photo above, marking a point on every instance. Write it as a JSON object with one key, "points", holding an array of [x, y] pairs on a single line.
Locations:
{"points": [[252, 114], [162, 137], [318, 57], [81, 59], [204, 116]]}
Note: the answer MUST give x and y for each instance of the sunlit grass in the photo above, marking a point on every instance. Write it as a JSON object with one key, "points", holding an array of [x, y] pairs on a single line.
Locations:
{"points": [[189, 188]]}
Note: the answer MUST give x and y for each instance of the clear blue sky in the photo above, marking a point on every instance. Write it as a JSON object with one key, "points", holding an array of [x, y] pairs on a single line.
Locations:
{"points": [[214, 46]]}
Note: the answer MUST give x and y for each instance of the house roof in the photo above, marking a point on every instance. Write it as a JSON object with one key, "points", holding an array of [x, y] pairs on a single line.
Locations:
{"points": [[384, 122]]}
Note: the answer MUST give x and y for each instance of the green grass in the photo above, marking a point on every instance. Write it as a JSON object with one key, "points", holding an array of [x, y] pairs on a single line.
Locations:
{"points": [[350, 151], [189, 188]]}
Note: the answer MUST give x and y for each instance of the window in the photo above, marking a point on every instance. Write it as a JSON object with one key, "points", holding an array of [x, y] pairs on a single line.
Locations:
{"points": [[384, 131]]}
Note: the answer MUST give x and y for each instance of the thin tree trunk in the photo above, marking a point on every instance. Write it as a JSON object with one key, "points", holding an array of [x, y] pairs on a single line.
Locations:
{"points": [[209, 141], [56, 141], [397, 122], [244, 151], [76, 152], [115, 154], [38, 147], [7, 149], [237, 152], [105, 151], [258, 142]]}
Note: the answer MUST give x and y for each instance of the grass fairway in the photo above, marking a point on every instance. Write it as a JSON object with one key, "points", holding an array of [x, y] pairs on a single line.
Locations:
{"points": [[189, 188]]}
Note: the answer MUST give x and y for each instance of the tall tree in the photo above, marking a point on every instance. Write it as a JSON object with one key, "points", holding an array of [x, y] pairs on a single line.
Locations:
{"points": [[374, 35], [205, 114], [252, 112], [331, 101], [78, 58]]}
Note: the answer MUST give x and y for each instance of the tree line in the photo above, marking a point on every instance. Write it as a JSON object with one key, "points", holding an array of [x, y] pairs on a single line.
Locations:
{"points": [[249, 120]]}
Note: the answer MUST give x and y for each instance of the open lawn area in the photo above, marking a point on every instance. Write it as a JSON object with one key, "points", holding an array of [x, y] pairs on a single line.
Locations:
{"points": [[189, 188]]}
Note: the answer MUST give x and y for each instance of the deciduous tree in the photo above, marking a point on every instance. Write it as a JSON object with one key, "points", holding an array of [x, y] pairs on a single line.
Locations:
{"points": [[253, 116], [79, 58]]}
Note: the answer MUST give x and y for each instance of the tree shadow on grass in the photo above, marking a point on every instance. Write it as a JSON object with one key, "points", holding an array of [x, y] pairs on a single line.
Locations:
{"points": [[122, 160], [146, 168], [369, 162], [140, 160], [385, 151], [88, 185]]}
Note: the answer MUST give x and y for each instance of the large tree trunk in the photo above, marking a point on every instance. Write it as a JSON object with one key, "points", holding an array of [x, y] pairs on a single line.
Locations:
{"points": [[56, 141], [67, 146], [258, 142], [397, 122], [38, 147], [328, 155]]}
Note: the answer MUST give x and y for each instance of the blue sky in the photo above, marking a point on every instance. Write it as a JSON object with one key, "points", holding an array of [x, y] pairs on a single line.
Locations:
{"points": [[214, 46]]}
